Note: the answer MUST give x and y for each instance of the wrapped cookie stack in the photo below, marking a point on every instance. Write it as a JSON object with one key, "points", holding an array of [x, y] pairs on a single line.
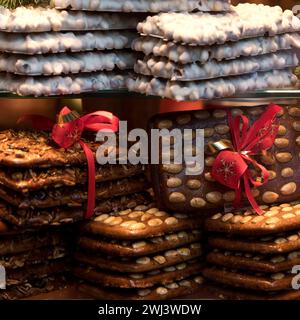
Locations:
{"points": [[251, 255], [42, 185], [191, 56], [50, 52], [140, 253], [34, 262]]}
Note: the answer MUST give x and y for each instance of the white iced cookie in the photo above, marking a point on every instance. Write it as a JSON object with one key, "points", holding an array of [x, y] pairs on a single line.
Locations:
{"points": [[54, 42], [62, 63], [28, 19], [143, 5], [245, 21], [61, 85], [211, 89], [229, 50], [164, 68]]}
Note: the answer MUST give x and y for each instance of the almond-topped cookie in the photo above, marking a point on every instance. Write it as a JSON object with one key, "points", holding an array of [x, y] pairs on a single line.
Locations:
{"points": [[164, 259], [127, 248], [138, 280], [255, 262], [254, 281], [140, 222], [275, 219], [173, 290], [270, 244]]}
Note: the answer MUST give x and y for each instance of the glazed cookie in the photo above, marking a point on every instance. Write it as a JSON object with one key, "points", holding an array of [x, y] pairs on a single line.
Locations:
{"points": [[244, 21], [39, 19], [59, 42], [231, 50], [66, 63], [144, 5], [218, 88]]}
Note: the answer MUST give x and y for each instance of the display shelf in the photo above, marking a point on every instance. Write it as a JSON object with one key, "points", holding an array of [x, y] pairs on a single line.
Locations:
{"points": [[249, 96]]}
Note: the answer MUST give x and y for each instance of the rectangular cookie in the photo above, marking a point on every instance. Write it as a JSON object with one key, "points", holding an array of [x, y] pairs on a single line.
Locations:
{"points": [[272, 244], [66, 63], [172, 290], [25, 180], [62, 85], [40, 19], [161, 67], [39, 271], [276, 219], [34, 287], [139, 223], [73, 196], [138, 280], [254, 262], [144, 5], [33, 257], [259, 281], [244, 21], [57, 216], [180, 188], [92, 243], [24, 148], [59, 42], [165, 259], [183, 54], [16, 244], [212, 89]]}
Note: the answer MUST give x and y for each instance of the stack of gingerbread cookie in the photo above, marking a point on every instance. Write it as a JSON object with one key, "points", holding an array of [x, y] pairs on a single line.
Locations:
{"points": [[253, 256], [52, 52], [140, 253], [192, 56], [32, 262], [41, 184]]}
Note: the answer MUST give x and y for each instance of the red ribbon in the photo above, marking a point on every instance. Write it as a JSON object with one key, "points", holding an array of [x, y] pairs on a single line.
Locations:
{"points": [[232, 168], [68, 130]]}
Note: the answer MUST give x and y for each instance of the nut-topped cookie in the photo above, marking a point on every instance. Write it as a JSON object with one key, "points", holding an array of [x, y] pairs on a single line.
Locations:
{"points": [[179, 189]]}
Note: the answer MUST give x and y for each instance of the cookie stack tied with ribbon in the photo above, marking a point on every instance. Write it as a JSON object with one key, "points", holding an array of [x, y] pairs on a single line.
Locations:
{"points": [[191, 56], [51, 52], [140, 253], [252, 164], [254, 256], [32, 262], [52, 179]]}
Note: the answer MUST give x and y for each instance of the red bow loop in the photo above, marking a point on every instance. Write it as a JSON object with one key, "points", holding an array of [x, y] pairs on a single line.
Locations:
{"points": [[236, 168], [68, 131]]}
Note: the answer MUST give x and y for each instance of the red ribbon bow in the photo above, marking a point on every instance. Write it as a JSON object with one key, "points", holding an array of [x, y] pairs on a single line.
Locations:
{"points": [[68, 130], [231, 168]]}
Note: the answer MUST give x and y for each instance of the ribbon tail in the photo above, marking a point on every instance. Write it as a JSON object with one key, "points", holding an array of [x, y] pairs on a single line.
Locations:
{"points": [[238, 196], [91, 180], [250, 197]]}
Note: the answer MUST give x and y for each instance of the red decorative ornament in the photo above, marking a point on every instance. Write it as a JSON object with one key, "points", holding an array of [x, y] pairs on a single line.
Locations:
{"points": [[231, 167], [68, 130]]}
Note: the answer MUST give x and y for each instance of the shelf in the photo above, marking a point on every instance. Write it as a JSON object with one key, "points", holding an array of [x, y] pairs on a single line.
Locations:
{"points": [[245, 97]]}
